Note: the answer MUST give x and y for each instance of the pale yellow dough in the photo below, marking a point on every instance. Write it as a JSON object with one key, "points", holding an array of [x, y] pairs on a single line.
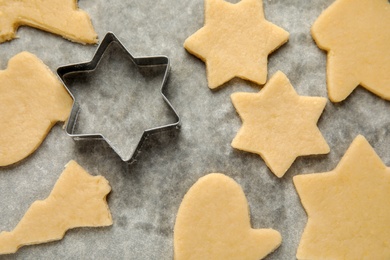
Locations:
{"points": [[213, 223], [32, 100], [278, 124], [235, 41], [77, 200], [356, 34], [62, 17], [348, 208]]}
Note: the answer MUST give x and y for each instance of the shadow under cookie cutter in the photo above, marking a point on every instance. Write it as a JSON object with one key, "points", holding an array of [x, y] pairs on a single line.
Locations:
{"points": [[140, 62]]}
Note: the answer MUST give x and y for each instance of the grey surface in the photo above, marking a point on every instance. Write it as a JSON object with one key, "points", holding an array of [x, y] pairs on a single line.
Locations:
{"points": [[144, 202]]}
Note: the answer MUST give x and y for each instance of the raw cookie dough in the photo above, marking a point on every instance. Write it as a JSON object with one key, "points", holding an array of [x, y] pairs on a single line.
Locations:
{"points": [[278, 124], [77, 200], [62, 17], [356, 34], [32, 100], [235, 41], [213, 223], [348, 208]]}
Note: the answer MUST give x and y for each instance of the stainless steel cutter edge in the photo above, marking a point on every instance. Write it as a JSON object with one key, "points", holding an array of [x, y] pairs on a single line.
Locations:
{"points": [[145, 61]]}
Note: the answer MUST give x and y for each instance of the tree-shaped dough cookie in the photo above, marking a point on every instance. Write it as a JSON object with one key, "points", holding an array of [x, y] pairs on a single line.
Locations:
{"points": [[77, 200]]}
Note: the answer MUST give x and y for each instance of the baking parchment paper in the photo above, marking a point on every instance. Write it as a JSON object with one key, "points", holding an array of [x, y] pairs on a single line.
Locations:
{"points": [[145, 199]]}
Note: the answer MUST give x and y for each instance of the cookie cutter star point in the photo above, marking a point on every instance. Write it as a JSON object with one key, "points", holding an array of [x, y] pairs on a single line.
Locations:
{"points": [[140, 62]]}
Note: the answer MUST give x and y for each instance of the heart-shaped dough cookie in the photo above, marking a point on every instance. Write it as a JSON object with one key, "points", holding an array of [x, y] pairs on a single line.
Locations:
{"points": [[213, 223]]}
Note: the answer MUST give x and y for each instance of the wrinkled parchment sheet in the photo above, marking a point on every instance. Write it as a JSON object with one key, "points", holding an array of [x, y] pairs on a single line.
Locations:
{"points": [[146, 196]]}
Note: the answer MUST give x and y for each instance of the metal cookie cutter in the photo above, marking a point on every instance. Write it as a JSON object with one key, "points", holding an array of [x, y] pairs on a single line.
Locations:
{"points": [[140, 62]]}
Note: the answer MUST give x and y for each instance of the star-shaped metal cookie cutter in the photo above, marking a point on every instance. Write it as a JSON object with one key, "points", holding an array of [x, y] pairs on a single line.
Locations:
{"points": [[140, 62]]}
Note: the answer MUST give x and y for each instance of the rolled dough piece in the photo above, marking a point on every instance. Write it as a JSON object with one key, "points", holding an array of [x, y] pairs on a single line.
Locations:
{"points": [[32, 100], [60, 17], [356, 34], [213, 223], [77, 200]]}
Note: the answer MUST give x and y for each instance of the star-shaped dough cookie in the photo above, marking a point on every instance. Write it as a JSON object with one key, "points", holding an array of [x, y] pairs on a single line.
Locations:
{"points": [[60, 17], [356, 34], [348, 208], [235, 41], [278, 124]]}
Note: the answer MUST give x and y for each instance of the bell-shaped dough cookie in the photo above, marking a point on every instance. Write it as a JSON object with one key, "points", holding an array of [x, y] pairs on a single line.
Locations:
{"points": [[213, 223], [77, 200], [60, 17], [356, 35], [32, 100]]}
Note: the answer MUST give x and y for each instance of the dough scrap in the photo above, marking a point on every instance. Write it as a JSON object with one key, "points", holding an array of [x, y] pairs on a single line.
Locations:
{"points": [[62, 17], [213, 223], [77, 200], [278, 124], [356, 34], [235, 41], [32, 100], [348, 208]]}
